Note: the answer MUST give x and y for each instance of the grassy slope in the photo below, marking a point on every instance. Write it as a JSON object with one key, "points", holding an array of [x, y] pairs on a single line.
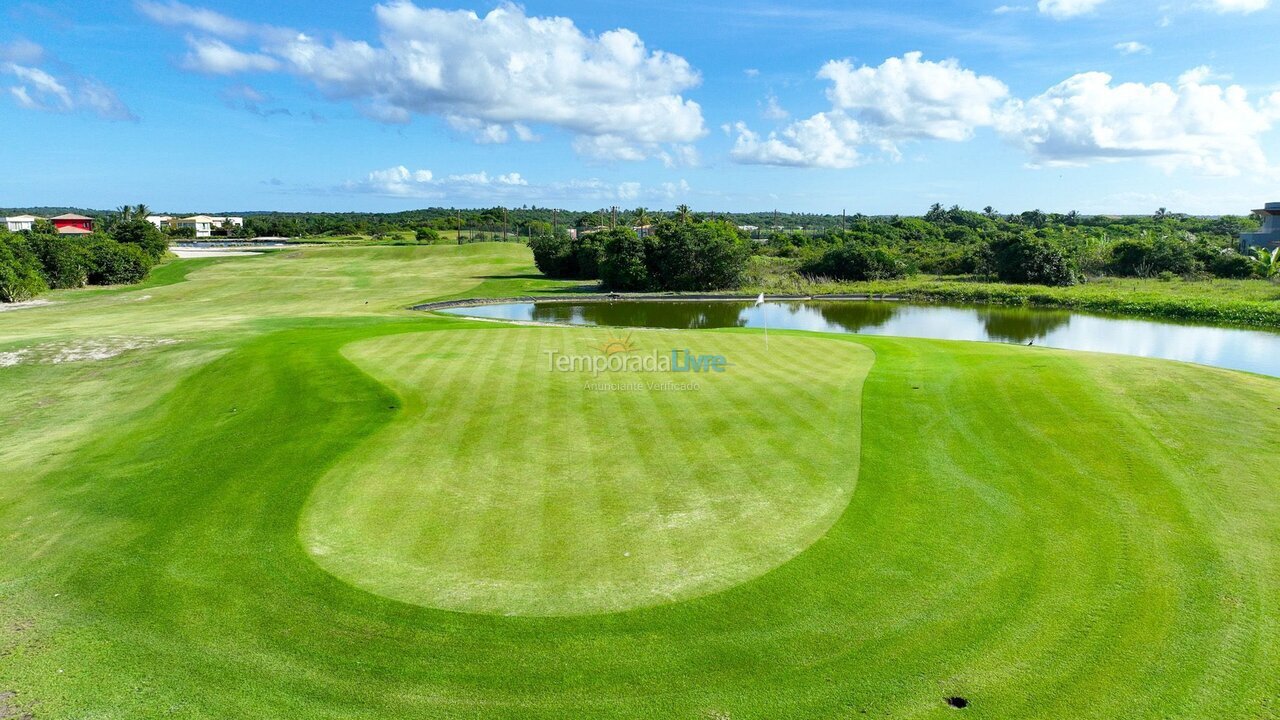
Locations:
{"points": [[1049, 534]]}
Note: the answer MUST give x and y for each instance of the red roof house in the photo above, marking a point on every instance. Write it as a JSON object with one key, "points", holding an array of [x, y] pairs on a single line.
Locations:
{"points": [[72, 224]]}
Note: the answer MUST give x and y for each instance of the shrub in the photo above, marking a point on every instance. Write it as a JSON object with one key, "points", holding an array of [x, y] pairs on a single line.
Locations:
{"points": [[20, 277], [427, 235], [64, 263], [686, 257], [1231, 264], [143, 235], [622, 265], [1146, 258], [553, 254], [113, 263], [1030, 259], [859, 261]]}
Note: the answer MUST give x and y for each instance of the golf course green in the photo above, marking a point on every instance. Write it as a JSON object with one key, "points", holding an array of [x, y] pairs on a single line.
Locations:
{"points": [[262, 487]]}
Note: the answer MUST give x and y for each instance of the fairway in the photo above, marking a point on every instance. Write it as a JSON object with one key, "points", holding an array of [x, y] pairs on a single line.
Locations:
{"points": [[262, 488]]}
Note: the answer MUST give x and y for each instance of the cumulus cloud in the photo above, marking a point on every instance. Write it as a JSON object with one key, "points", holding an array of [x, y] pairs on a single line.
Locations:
{"points": [[826, 140], [37, 88], [1065, 9], [490, 76], [1133, 47], [1208, 127], [906, 98]]}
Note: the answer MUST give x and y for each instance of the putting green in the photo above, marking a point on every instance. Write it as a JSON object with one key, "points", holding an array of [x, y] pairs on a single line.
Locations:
{"points": [[505, 487]]}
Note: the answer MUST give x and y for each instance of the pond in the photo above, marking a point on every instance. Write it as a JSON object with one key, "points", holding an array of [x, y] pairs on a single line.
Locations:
{"points": [[1255, 351]]}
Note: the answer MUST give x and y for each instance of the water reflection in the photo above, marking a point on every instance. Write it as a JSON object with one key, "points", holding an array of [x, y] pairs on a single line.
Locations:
{"points": [[675, 315], [1021, 325], [1252, 350]]}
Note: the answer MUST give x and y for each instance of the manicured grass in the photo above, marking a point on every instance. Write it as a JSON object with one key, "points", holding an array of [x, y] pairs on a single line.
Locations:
{"points": [[1047, 534], [539, 495]]}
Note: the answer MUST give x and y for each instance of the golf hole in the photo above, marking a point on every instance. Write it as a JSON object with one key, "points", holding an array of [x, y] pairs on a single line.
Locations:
{"points": [[957, 702]]}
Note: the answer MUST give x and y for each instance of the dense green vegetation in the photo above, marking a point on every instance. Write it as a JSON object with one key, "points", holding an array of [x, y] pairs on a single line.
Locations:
{"points": [[122, 253], [285, 496], [675, 256]]}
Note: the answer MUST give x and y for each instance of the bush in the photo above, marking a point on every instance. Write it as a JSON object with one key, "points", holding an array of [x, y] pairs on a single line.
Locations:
{"points": [[64, 263], [690, 257], [20, 277], [553, 254], [1231, 264], [427, 235], [1147, 258], [113, 263], [859, 261], [143, 235], [622, 265], [1029, 259]]}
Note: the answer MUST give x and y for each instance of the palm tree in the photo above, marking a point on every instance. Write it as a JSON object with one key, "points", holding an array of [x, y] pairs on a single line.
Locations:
{"points": [[989, 212], [124, 213], [1161, 214], [1270, 262], [683, 212], [141, 211], [642, 216]]}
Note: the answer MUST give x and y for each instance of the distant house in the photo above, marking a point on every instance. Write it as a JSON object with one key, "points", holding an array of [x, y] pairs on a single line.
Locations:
{"points": [[1269, 236], [18, 223], [72, 224], [202, 224]]}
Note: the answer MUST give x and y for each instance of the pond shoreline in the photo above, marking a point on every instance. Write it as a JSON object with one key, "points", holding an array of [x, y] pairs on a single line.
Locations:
{"points": [[1248, 349], [645, 297], [1166, 311]]}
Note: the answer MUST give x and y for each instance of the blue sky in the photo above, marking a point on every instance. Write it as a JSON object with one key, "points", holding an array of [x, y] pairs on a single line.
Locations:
{"points": [[879, 107]]}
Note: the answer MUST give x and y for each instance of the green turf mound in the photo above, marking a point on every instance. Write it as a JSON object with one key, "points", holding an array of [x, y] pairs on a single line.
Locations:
{"points": [[505, 487]]}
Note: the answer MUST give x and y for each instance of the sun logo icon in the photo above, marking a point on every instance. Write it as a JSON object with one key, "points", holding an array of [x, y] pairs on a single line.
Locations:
{"points": [[616, 345]]}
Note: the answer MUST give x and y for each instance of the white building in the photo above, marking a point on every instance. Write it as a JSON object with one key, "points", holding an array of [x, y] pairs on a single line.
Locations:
{"points": [[18, 223], [229, 221], [202, 224], [160, 221]]}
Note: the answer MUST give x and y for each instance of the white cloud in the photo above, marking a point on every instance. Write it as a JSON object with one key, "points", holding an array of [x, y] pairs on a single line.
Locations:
{"points": [[1240, 6], [1087, 118], [904, 98], [209, 55], [490, 76], [22, 51], [1133, 47], [909, 97], [38, 89], [401, 182], [826, 140], [176, 13], [774, 111], [1064, 9]]}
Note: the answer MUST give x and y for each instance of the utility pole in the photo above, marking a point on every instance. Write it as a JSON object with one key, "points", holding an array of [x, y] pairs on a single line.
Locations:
{"points": [[555, 224], [842, 219], [505, 224]]}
